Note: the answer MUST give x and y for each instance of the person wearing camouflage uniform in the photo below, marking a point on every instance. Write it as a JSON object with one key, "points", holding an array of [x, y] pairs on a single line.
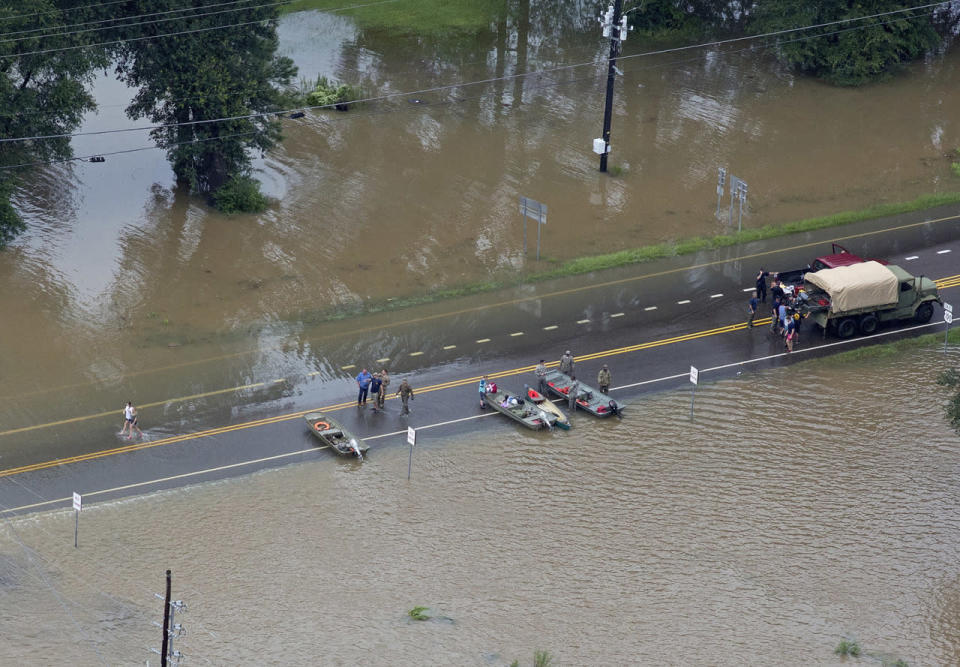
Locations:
{"points": [[405, 392], [603, 379], [566, 363]]}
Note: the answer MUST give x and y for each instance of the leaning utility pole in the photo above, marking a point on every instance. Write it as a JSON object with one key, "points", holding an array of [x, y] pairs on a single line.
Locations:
{"points": [[615, 27], [166, 625]]}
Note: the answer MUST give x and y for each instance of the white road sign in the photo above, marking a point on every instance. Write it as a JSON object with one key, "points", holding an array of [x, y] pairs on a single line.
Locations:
{"points": [[77, 501], [947, 313], [411, 436], [694, 374]]}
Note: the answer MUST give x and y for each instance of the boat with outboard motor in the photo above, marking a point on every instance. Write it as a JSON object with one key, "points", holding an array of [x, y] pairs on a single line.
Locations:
{"points": [[518, 409], [547, 405], [331, 432], [588, 398]]}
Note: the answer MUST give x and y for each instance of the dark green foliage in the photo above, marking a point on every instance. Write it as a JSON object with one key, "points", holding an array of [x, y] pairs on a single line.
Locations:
{"points": [[40, 93], [241, 194], [684, 19], [847, 54], [951, 378], [200, 76]]}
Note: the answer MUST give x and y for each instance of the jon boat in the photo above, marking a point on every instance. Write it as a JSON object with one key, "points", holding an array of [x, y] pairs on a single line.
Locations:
{"points": [[331, 432], [527, 412], [547, 405], [588, 398]]}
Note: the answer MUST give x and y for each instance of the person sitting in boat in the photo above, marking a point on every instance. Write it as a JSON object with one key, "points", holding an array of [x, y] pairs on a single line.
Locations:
{"points": [[505, 403]]}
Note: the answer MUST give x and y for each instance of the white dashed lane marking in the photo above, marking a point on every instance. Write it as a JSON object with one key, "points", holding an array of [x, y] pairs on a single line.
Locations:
{"points": [[484, 340], [516, 333], [617, 315], [348, 367], [911, 257], [943, 252], [383, 361], [415, 354], [680, 303], [551, 327], [449, 347], [749, 289], [650, 308], [583, 321], [715, 296]]}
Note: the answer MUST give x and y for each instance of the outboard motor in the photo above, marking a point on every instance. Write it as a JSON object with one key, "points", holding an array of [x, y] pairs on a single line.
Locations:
{"points": [[614, 408]]}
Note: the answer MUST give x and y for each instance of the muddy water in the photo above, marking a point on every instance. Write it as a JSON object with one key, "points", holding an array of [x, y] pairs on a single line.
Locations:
{"points": [[762, 533], [402, 196]]}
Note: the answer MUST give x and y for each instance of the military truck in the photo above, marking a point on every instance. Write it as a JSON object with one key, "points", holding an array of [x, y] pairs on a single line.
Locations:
{"points": [[859, 297]]}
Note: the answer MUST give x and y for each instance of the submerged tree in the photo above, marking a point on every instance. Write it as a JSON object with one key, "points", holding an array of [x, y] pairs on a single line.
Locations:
{"points": [[850, 53], [44, 83], [951, 378], [208, 72]]}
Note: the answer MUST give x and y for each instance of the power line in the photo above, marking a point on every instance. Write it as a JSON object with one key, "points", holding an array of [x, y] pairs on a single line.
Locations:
{"points": [[154, 22], [170, 34], [125, 18], [507, 77], [89, 158]]}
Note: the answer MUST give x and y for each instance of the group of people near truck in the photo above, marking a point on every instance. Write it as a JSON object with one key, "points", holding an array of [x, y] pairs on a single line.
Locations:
{"points": [[786, 303]]}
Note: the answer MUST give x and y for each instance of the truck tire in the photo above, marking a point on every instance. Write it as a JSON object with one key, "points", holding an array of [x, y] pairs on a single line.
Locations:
{"points": [[846, 327], [923, 313], [868, 324]]}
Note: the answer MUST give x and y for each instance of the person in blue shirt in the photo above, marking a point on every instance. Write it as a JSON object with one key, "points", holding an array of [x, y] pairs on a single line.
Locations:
{"points": [[363, 383], [752, 313], [483, 391], [375, 388]]}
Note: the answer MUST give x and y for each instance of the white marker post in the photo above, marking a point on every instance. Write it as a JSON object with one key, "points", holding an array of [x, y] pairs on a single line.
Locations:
{"points": [[694, 376], [948, 318], [77, 506], [412, 441]]}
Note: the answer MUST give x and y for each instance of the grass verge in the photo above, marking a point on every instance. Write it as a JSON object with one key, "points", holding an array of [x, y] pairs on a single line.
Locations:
{"points": [[425, 17], [891, 349], [631, 256]]}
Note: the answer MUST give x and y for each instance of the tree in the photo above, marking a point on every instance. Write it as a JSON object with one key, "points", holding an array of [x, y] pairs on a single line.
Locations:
{"points": [[204, 75], [40, 93], [951, 378], [852, 53]]}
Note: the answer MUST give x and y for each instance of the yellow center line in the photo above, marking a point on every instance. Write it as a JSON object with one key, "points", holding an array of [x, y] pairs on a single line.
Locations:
{"points": [[942, 283], [510, 302]]}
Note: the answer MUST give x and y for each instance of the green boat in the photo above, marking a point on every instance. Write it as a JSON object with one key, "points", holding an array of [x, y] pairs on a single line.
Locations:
{"points": [[520, 410], [588, 398], [331, 433], [547, 405]]}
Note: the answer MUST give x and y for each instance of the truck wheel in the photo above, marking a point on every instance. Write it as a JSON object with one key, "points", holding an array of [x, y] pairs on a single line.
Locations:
{"points": [[923, 313], [846, 327], [868, 324]]}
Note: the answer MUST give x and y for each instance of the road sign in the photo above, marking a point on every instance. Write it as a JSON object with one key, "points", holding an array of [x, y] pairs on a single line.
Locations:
{"points": [[77, 501], [947, 313], [411, 436], [533, 209], [694, 374]]}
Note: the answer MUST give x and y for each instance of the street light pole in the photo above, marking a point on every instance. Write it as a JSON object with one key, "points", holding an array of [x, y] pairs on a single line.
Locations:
{"points": [[617, 33]]}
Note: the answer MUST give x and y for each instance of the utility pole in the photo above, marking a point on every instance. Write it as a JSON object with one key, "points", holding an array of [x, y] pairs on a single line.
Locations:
{"points": [[166, 625], [171, 630], [615, 27]]}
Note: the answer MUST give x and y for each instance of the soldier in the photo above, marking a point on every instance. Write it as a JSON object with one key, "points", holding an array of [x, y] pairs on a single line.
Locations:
{"points": [[603, 379], [541, 372], [384, 383], [572, 394], [405, 392], [566, 363]]}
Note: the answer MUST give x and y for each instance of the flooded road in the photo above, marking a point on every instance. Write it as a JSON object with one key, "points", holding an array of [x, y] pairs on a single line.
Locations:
{"points": [[410, 194], [795, 510]]}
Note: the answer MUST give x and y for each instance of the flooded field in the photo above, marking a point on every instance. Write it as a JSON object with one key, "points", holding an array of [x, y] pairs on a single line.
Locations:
{"points": [[403, 195], [797, 509]]}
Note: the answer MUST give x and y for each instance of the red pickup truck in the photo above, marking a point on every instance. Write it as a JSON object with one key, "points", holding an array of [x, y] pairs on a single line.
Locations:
{"points": [[839, 256]]}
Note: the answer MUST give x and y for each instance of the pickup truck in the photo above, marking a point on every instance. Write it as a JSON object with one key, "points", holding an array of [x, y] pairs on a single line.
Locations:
{"points": [[839, 256], [858, 297]]}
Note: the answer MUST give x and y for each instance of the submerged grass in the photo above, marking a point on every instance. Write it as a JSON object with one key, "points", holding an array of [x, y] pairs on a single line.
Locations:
{"points": [[631, 256], [430, 17], [891, 349]]}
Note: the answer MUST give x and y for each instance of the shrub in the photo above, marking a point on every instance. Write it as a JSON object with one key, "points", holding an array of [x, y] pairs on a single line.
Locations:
{"points": [[241, 194], [847, 647], [326, 93], [419, 614]]}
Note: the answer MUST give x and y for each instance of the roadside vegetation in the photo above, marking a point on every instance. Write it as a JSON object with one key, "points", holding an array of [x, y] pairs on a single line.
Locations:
{"points": [[424, 17]]}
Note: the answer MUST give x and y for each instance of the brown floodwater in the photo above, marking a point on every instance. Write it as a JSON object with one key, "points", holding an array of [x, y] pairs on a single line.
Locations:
{"points": [[796, 510], [119, 273]]}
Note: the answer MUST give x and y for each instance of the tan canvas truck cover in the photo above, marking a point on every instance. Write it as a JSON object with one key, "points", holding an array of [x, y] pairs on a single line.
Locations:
{"points": [[864, 285]]}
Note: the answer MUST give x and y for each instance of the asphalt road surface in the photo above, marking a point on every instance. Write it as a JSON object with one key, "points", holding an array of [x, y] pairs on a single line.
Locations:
{"points": [[649, 323]]}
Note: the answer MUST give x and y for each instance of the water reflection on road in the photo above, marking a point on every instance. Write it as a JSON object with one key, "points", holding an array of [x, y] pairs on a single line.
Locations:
{"points": [[796, 509]]}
